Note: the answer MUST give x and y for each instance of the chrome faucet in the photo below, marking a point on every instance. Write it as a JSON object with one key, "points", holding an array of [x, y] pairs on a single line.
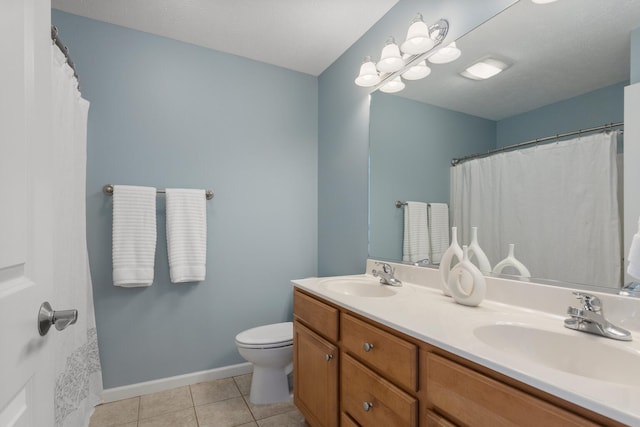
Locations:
{"points": [[386, 275], [590, 318]]}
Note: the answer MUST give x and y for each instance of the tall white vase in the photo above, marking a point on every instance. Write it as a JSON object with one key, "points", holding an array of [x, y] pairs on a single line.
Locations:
{"points": [[475, 251], [466, 282], [454, 251], [511, 261]]}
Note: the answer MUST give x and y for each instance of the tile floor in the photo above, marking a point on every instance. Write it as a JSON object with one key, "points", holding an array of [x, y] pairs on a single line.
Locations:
{"points": [[220, 403]]}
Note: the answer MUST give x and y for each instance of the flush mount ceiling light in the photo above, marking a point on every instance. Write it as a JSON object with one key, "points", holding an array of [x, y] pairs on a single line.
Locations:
{"points": [[421, 40], [446, 54], [484, 69]]}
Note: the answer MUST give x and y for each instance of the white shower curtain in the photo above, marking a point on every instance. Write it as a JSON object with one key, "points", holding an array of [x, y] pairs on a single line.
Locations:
{"points": [[558, 203], [78, 378]]}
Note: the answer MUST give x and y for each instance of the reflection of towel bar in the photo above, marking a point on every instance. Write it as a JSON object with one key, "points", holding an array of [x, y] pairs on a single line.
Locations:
{"points": [[400, 204], [108, 190]]}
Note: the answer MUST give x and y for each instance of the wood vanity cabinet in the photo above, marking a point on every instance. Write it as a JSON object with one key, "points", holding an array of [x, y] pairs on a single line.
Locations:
{"points": [[352, 371], [315, 360]]}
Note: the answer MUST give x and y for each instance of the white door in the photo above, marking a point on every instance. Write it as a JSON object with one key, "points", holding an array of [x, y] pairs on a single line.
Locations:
{"points": [[26, 191]]}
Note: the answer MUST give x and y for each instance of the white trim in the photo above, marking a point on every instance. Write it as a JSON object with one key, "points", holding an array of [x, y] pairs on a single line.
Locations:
{"points": [[133, 390]]}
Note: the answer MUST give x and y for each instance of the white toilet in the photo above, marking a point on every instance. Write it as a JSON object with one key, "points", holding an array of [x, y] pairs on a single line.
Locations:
{"points": [[270, 349]]}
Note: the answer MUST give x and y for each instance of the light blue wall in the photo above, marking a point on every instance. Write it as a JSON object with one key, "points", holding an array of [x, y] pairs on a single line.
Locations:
{"points": [[605, 105], [343, 138], [411, 147], [635, 56], [169, 114]]}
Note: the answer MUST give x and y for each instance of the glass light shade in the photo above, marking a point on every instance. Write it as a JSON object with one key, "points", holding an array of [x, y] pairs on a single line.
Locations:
{"points": [[418, 38], [445, 55], [484, 69], [542, 1], [368, 74], [417, 72], [390, 59], [393, 86]]}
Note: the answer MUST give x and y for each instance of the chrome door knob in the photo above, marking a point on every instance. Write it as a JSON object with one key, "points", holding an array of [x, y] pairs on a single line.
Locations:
{"points": [[367, 347], [367, 406], [61, 318], [328, 357]]}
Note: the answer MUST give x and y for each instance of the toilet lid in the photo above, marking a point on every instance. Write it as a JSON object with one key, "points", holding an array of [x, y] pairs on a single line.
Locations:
{"points": [[278, 333]]}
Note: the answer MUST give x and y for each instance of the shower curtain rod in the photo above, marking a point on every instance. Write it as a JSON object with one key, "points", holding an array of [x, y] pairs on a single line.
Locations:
{"points": [[608, 126], [56, 40]]}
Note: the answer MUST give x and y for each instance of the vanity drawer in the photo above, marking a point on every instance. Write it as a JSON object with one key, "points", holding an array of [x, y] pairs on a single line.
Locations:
{"points": [[388, 354], [470, 398], [321, 317], [359, 386]]}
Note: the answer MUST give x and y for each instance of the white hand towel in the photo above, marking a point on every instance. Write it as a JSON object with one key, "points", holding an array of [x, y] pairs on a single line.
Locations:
{"points": [[634, 257], [416, 233], [438, 230], [134, 235], [186, 234]]}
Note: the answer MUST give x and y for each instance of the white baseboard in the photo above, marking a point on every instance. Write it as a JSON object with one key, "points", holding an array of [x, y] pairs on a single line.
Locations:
{"points": [[133, 390]]}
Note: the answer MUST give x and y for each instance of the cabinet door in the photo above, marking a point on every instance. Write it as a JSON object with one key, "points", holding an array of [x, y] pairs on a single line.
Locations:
{"points": [[315, 371]]}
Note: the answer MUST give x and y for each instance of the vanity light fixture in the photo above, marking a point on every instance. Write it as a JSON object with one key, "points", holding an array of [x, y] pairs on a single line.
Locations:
{"points": [[417, 71], [418, 37], [368, 73], [446, 54], [484, 69], [543, 1], [392, 67], [393, 86], [390, 59]]}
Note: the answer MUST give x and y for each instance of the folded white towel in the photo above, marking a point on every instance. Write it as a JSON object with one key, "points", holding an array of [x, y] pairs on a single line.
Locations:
{"points": [[186, 234], [134, 235], [416, 233], [438, 230]]}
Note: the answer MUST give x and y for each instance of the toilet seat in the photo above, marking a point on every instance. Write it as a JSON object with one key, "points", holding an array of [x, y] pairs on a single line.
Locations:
{"points": [[268, 336]]}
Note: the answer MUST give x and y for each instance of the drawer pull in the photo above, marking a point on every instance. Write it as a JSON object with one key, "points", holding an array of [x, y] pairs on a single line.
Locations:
{"points": [[367, 347], [328, 357], [367, 406]]}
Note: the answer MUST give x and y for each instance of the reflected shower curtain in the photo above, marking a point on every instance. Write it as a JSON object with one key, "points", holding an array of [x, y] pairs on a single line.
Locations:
{"points": [[558, 203], [78, 377]]}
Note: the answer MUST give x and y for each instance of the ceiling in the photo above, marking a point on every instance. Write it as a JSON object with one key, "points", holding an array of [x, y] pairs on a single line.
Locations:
{"points": [[557, 51], [300, 35]]}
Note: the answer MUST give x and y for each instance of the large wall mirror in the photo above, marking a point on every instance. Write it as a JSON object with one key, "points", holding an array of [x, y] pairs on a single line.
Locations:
{"points": [[569, 62]]}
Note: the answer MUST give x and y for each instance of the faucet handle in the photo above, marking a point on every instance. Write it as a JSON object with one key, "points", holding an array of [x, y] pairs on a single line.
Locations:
{"points": [[387, 268], [590, 302]]}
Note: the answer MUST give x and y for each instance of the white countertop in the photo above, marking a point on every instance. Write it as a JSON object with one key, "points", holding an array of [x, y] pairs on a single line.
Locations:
{"points": [[419, 309]]}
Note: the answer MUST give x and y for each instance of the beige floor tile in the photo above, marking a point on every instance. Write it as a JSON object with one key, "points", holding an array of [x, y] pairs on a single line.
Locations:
{"points": [[265, 411], [116, 413], [226, 413], [288, 419], [165, 402], [252, 424], [244, 383], [182, 418], [214, 391]]}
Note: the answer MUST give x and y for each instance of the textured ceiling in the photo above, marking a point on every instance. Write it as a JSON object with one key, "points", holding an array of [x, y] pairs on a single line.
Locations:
{"points": [[557, 51], [301, 35]]}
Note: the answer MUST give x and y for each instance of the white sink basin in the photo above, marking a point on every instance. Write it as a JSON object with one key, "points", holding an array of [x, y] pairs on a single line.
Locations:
{"points": [[586, 355], [357, 286]]}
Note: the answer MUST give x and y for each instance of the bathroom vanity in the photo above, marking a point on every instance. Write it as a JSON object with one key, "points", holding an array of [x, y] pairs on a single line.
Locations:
{"points": [[367, 355]]}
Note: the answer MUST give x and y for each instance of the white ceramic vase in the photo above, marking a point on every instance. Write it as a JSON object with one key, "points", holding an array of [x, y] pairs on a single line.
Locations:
{"points": [[454, 251], [466, 282], [475, 251], [511, 261]]}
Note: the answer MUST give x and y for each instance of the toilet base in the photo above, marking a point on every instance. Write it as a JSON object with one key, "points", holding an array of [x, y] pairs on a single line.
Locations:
{"points": [[269, 385]]}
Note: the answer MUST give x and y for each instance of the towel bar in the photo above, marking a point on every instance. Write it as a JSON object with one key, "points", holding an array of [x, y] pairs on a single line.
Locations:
{"points": [[108, 190]]}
